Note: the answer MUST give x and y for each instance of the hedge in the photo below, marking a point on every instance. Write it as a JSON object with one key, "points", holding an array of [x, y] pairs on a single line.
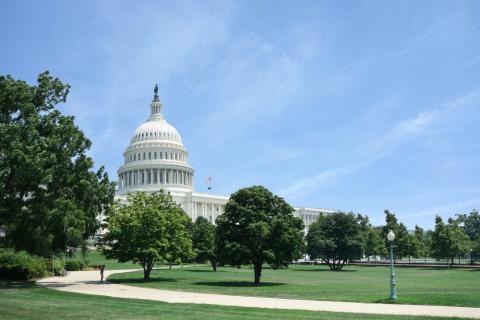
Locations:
{"points": [[74, 265], [21, 265]]}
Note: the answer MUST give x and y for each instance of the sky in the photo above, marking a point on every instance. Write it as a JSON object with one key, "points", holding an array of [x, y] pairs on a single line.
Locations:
{"points": [[349, 105]]}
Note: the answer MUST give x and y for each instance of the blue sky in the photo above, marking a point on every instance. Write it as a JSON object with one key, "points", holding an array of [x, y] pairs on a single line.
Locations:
{"points": [[350, 105]]}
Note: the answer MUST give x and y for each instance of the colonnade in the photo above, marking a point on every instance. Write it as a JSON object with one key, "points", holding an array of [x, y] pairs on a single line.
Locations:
{"points": [[154, 176]]}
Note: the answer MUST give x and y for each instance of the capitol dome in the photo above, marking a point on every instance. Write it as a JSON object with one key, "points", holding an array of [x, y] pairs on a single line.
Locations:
{"points": [[156, 158], [156, 130]]}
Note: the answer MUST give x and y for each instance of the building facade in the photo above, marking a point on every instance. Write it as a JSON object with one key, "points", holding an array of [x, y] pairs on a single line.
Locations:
{"points": [[157, 159]]}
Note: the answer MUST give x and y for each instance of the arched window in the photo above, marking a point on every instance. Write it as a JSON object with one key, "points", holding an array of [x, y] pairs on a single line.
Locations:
{"points": [[144, 156]]}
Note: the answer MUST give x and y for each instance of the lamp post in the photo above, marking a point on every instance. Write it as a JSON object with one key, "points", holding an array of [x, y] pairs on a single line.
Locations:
{"points": [[393, 289]]}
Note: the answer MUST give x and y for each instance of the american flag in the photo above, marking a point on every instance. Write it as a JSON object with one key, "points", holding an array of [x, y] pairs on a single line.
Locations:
{"points": [[208, 182]]}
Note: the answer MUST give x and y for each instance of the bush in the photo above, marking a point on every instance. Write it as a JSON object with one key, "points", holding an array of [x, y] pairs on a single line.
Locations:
{"points": [[21, 266], [74, 265], [58, 266]]}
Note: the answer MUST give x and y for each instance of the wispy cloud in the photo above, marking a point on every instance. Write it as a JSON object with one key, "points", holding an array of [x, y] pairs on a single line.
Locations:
{"points": [[448, 208], [370, 153]]}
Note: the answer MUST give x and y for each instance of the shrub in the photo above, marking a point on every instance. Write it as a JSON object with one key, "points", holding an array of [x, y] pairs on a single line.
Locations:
{"points": [[20, 265], [74, 265], [58, 266]]}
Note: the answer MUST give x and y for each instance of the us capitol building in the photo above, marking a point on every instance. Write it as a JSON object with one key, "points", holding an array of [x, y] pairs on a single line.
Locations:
{"points": [[157, 159]]}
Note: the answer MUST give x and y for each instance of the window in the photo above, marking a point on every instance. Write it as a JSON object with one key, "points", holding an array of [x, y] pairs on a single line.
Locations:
{"points": [[160, 155], [134, 157], [154, 155], [144, 156], [149, 156]]}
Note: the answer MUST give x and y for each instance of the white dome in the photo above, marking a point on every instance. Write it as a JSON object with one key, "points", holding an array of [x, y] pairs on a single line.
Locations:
{"points": [[156, 158], [156, 130]]}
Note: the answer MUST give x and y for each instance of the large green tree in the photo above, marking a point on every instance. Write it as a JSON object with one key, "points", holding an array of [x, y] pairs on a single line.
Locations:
{"points": [[335, 238], [400, 230], [258, 227], [50, 197], [146, 229], [203, 241], [449, 240], [471, 224]]}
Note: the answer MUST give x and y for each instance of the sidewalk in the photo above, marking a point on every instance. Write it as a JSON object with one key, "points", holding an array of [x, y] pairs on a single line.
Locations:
{"points": [[87, 282]]}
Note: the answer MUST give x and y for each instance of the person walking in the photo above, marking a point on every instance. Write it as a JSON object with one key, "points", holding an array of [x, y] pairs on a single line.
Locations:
{"points": [[102, 269]]}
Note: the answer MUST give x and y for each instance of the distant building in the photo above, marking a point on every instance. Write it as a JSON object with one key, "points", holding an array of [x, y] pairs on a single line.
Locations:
{"points": [[157, 159]]}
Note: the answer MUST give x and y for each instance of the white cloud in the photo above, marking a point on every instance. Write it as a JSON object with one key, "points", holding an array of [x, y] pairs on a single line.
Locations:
{"points": [[368, 154]]}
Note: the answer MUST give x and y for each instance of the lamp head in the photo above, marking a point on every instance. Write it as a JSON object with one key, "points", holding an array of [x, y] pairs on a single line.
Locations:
{"points": [[391, 236]]}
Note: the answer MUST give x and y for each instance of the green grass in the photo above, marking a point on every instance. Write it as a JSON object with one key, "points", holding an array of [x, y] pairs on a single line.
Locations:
{"points": [[97, 258], [21, 300], [453, 287]]}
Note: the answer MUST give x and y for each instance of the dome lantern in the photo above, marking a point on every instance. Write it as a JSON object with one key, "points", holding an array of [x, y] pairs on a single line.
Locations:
{"points": [[156, 106]]}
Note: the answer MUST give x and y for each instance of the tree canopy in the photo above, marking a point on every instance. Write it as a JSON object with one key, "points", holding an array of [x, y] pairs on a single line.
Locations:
{"points": [[49, 196], [203, 241], [147, 229], [449, 240], [335, 238], [258, 227]]}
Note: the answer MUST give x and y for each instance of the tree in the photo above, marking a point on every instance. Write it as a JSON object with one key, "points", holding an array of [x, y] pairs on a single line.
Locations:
{"points": [[470, 224], [373, 244], [203, 241], [400, 231], [412, 247], [448, 240], [258, 227], [147, 229], [336, 238], [423, 240], [49, 196]]}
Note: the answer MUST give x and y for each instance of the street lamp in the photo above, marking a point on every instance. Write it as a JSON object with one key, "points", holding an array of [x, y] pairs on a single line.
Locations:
{"points": [[393, 289]]}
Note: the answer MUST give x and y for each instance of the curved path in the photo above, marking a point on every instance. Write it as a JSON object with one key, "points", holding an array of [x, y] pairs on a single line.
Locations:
{"points": [[87, 282]]}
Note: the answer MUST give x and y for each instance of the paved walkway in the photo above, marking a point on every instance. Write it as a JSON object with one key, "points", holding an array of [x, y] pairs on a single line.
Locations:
{"points": [[87, 282]]}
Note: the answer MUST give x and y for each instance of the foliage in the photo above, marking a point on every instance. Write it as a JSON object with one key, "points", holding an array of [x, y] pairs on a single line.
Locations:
{"points": [[57, 265], [146, 230], [449, 240], [471, 224], [335, 238], [74, 265], [412, 246], [21, 265], [203, 242], [258, 227], [49, 196], [400, 230], [424, 242], [373, 244]]}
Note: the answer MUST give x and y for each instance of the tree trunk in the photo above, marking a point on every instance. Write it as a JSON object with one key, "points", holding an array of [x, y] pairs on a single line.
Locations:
{"points": [[258, 272], [213, 262]]}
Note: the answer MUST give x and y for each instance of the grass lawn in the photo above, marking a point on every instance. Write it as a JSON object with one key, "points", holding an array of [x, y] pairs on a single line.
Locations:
{"points": [[96, 258], [453, 287], [22, 300]]}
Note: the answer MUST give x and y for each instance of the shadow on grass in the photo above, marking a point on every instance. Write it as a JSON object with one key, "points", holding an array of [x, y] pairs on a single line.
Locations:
{"points": [[141, 280], [316, 270], [238, 284], [16, 284], [206, 271]]}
